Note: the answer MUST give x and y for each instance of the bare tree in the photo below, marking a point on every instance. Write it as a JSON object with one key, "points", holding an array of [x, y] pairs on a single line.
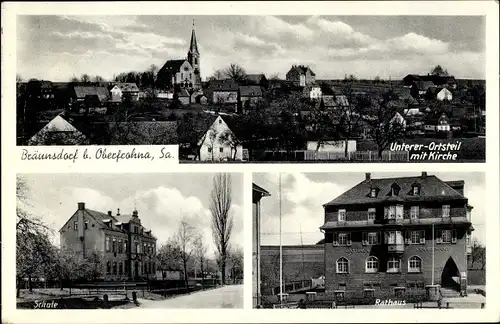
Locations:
{"points": [[222, 220], [478, 255], [217, 75], [184, 239], [200, 249], [235, 256], [235, 72], [98, 79], [228, 138], [74, 80]]}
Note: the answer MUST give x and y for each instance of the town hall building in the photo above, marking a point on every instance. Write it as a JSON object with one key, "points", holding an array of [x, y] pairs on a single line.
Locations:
{"points": [[182, 73], [397, 237], [128, 249]]}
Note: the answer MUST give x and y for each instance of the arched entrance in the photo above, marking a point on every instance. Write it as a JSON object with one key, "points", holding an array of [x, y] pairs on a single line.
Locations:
{"points": [[450, 277]]}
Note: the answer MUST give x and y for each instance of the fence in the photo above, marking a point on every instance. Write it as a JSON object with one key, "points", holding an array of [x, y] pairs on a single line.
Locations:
{"points": [[310, 155]]}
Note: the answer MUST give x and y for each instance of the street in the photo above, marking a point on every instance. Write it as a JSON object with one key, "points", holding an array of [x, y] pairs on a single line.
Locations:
{"points": [[225, 297]]}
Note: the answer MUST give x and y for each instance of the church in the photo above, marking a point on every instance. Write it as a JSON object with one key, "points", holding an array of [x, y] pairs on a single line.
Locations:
{"points": [[182, 73]]}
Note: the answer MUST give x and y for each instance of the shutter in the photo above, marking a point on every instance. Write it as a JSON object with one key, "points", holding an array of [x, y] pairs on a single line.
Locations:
{"points": [[422, 237], [438, 238], [335, 239], [454, 236], [365, 238], [407, 237], [349, 239]]}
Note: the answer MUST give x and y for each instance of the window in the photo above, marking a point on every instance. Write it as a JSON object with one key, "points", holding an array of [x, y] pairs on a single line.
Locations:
{"points": [[154, 268], [86, 224], [414, 264], [371, 238], [120, 246], [114, 245], [399, 292], [120, 268], [114, 267], [341, 239], [467, 239], [446, 210], [209, 150], [371, 213], [393, 264], [393, 237], [75, 226], [108, 267], [126, 267], [195, 60], [125, 246], [339, 295], [369, 293], [414, 212], [108, 247], [371, 264], [137, 247], [373, 192], [445, 236], [416, 190], [221, 149], [190, 75], [341, 216], [342, 265], [393, 212], [182, 76], [395, 190]]}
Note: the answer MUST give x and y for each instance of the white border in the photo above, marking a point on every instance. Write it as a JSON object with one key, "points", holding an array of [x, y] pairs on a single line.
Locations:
{"points": [[10, 166]]}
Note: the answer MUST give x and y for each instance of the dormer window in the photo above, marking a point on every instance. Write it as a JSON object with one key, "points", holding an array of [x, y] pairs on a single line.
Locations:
{"points": [[373, 192], [415, 189], [395, 189]]}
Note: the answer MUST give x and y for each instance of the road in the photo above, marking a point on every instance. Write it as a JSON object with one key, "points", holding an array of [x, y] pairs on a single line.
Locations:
{"points": [[225, 297]]}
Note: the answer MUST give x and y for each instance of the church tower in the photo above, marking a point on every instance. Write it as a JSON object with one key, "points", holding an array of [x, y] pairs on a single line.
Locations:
{"points": [[194, 59]]}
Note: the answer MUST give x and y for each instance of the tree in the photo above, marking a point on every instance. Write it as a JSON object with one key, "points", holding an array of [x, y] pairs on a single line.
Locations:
{"points": [[381, 118], [34, 251], [200, 250], [217, 75], [439, 71], [222, 220], [228, 138], [85, 78], [478, 255], [98, 79], [184, 239], [235, 72], [169, 256], [274, 76], [74, 80], [235, 256]]}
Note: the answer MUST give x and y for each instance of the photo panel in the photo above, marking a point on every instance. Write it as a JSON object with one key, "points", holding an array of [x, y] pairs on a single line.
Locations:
{"points": [[129, 241], [394, 240]]}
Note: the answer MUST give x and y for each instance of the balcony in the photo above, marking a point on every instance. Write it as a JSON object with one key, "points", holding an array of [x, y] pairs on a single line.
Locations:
{"points": [[395, 247]]}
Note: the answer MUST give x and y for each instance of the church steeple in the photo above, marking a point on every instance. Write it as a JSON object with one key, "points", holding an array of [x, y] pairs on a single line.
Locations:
{"points": [[193, 48]]}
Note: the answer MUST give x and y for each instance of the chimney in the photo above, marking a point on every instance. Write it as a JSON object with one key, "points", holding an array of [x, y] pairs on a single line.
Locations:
{"points": [[368, 176], [109, 212], [134, 213], [424, 175], [118, 212], [81, 206]]}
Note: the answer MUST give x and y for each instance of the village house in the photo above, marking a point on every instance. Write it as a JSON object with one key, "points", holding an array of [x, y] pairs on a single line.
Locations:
{"points": [[184, 97], [182, 73], [439, 93], [257, 79], [312, 91], [128, 249], [58, 132], [397, 237], [224, 92], [399, 121], [437, 124], [120, 90], [219, 142], [249, 95], [301, 75], [93, 96]]}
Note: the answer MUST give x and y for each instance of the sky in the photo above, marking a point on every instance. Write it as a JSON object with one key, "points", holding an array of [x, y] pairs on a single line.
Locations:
{"points": [[58, 47], [162, 200], [303, 196]]}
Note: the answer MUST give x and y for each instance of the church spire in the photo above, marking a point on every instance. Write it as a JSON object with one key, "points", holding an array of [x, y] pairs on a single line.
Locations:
{"points": [[193, 48]]}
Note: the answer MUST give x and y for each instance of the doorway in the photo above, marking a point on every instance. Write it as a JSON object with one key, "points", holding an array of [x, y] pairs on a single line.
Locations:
{"points": [[450, 277]]}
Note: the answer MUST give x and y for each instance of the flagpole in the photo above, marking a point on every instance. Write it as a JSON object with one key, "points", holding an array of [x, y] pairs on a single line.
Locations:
{"points": [[281, 247], [433, 239]]}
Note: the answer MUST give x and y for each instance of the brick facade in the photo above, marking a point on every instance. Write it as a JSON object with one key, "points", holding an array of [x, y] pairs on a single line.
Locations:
{"points": [[344, 237], [128, 250]]}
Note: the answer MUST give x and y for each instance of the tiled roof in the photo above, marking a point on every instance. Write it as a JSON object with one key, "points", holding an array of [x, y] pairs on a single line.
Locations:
{"points": [[250, 91], [127, 87], [431, 188], [143, 133], [172, 65], [82, 91], [100, 217]]}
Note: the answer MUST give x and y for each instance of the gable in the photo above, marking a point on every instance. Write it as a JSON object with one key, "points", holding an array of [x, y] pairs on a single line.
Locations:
{"points": [[219, 126]]}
